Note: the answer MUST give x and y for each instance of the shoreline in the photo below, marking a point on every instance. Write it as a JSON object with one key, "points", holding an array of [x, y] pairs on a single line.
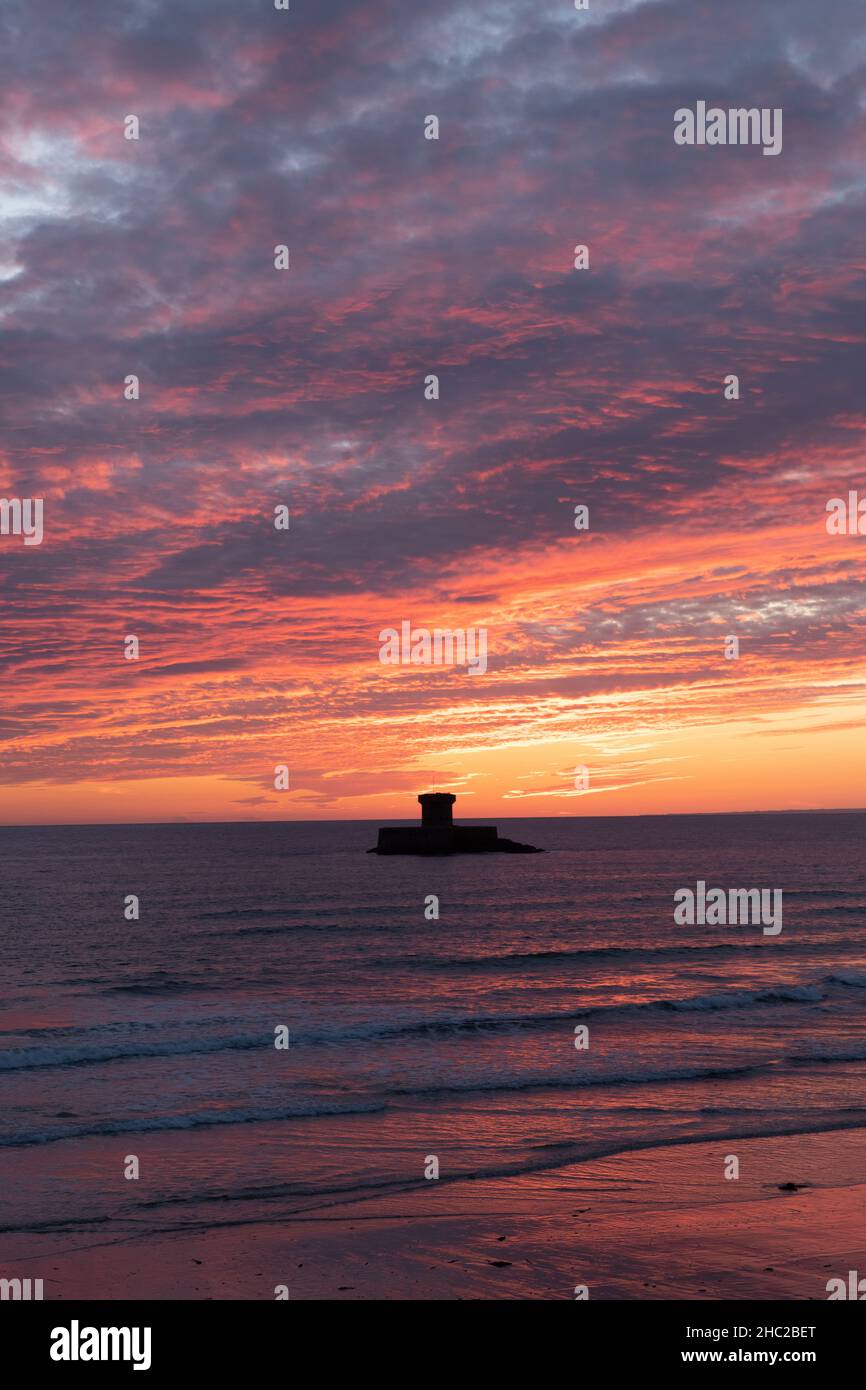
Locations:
{"points": [[654, 1223]]}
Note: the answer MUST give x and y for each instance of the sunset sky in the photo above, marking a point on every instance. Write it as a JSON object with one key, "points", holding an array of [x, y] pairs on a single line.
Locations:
{"points": [[305, 387]]}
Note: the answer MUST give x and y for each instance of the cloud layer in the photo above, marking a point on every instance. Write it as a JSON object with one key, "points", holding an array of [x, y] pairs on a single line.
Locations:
{"points": [[409, 257]]}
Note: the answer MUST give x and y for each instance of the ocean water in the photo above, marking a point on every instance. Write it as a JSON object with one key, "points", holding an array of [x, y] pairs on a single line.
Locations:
{"points": [[408, 1036]]}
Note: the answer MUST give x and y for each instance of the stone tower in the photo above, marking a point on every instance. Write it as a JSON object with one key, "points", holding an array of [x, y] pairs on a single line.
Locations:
{"points": [[437, 833], [436, 809]]}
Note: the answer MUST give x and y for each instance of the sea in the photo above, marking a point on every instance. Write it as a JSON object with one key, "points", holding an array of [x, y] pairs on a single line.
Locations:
{"points": [[291, 1025]]}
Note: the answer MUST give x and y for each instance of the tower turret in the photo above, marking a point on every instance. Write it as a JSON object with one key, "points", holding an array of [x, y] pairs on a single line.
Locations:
{"points": [[436, 808]]}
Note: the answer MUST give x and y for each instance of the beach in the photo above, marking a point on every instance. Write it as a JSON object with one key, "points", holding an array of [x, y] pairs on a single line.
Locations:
{"points": [[661, 1224]]}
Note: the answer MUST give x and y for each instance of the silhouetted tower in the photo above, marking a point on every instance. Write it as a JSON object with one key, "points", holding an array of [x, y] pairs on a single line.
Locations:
{"points": [[436, 808]]}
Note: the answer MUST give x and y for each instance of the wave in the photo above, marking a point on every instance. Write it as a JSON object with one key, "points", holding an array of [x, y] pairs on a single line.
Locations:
{"points": [[830, 1052], [855, 979], [314, 1107], [151, 987], [474, 1023], [25, 1059], [575, 1082], [301, 1110], [235, 912], [588, 954], [742, 999], [579, 953], [452, 965], [72, 1030]]}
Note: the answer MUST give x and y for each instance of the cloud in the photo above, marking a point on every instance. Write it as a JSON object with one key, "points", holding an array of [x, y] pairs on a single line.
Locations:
{"points": [[411, 257]]}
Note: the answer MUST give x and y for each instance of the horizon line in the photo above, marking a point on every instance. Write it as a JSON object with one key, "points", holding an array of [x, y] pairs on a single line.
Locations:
{"points": [[363, 820]]}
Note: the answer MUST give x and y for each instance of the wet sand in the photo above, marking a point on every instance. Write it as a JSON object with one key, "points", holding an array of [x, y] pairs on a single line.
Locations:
{"points": [[651, 1224]]}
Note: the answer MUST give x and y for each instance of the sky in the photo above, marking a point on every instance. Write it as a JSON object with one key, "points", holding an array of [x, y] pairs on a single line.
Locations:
{"points": [[305, 388]]}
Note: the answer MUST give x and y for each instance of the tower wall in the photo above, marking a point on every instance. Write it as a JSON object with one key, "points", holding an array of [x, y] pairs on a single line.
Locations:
{"points": [[436, 808]]}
